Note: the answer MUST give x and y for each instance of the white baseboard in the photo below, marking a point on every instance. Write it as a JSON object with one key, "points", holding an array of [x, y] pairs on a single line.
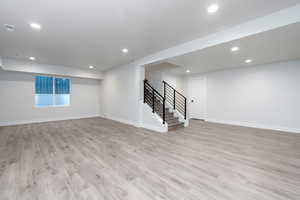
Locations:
{"points": [[46, 120], [255, 125], [136, 124], [124, 121], [158, 129]]}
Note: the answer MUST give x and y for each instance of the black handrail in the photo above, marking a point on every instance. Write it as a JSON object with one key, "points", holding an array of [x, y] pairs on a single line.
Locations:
{"points": [[174, 89], [174, 102], [146, 82], [154, 96]]}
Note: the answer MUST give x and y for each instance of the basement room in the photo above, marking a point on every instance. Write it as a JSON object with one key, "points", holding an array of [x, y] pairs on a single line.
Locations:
{"points": [[150, 100]]}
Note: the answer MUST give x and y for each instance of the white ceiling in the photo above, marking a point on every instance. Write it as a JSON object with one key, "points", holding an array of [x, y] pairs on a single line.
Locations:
{"points": [[280, 44], [80, 33]]}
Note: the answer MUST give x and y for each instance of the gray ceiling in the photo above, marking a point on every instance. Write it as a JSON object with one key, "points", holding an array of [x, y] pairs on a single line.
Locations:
{"points": [[79, 33]]}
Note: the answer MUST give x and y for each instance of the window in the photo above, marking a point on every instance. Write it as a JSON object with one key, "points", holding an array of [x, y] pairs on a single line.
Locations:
{"points": [[52, 91]]}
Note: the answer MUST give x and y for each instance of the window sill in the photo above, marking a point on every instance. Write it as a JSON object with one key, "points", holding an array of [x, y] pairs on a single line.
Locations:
{"points": [[53, 106]]}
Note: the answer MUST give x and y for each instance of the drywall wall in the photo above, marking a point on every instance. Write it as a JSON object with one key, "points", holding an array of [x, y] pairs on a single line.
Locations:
{"points": [[151, 120], [120, 94], [156, 78], [265, 96], [174, 80], [157, 73], [17, 104], [122, 98]]}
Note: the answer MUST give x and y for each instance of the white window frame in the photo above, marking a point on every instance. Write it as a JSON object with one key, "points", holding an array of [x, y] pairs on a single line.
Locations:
{"points": [[53, 95]]}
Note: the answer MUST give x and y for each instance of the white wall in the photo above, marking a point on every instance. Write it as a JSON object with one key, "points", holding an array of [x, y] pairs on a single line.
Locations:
{"points": [[155, 78], [264, 96], [121, 94], [152, 121], [174, 80], [17, 100], [122, 98]]}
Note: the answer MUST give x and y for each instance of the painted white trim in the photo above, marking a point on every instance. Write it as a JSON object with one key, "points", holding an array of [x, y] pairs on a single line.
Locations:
{"points": [[138, 125], [124, 121], [255, 125], [46, 120]]}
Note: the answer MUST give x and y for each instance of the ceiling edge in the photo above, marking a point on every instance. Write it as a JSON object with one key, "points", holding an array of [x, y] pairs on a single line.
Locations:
{"points": [[269, 22], [32, 67]]}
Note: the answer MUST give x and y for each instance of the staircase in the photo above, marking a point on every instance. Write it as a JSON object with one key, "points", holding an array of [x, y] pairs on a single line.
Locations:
{"points": [[173, 122], [158, 103]]}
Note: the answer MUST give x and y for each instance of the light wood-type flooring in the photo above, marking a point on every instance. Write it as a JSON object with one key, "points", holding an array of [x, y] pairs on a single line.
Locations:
{"points": [[99, 159]]}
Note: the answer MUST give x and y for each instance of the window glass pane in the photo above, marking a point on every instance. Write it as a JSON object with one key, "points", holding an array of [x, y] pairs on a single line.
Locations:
{"points": [[43, 99], [62, 99], [62, 91], [43, 91]]}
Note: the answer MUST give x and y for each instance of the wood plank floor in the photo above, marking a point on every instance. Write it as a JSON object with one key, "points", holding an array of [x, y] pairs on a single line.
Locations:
{"points": [[99, 159]]}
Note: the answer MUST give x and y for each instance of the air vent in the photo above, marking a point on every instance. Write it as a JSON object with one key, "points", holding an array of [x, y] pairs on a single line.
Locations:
{"points": [[9, 27]]}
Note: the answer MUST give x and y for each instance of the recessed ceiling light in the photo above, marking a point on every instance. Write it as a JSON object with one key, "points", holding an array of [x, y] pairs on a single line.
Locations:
{"points": [[36, 26], [91, 67], [125, 50], [188, 71], [9, 27], [32, 58], [213, 8], [248, 61], [233, 49]]}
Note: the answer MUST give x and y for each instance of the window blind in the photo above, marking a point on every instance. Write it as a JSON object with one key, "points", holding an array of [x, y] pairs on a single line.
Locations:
{"points": [[62, 86], [52, 91], [43, 85]]}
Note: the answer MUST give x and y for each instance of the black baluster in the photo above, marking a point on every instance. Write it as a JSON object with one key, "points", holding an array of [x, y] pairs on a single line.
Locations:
{"points": [[144, 91], [164, 89], [185, 108], [164, 111], [153, 101], [174, 99]]}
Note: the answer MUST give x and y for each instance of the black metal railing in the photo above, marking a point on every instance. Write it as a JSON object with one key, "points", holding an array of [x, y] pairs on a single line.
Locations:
{"points": [[175, 98], [155, 100]]}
